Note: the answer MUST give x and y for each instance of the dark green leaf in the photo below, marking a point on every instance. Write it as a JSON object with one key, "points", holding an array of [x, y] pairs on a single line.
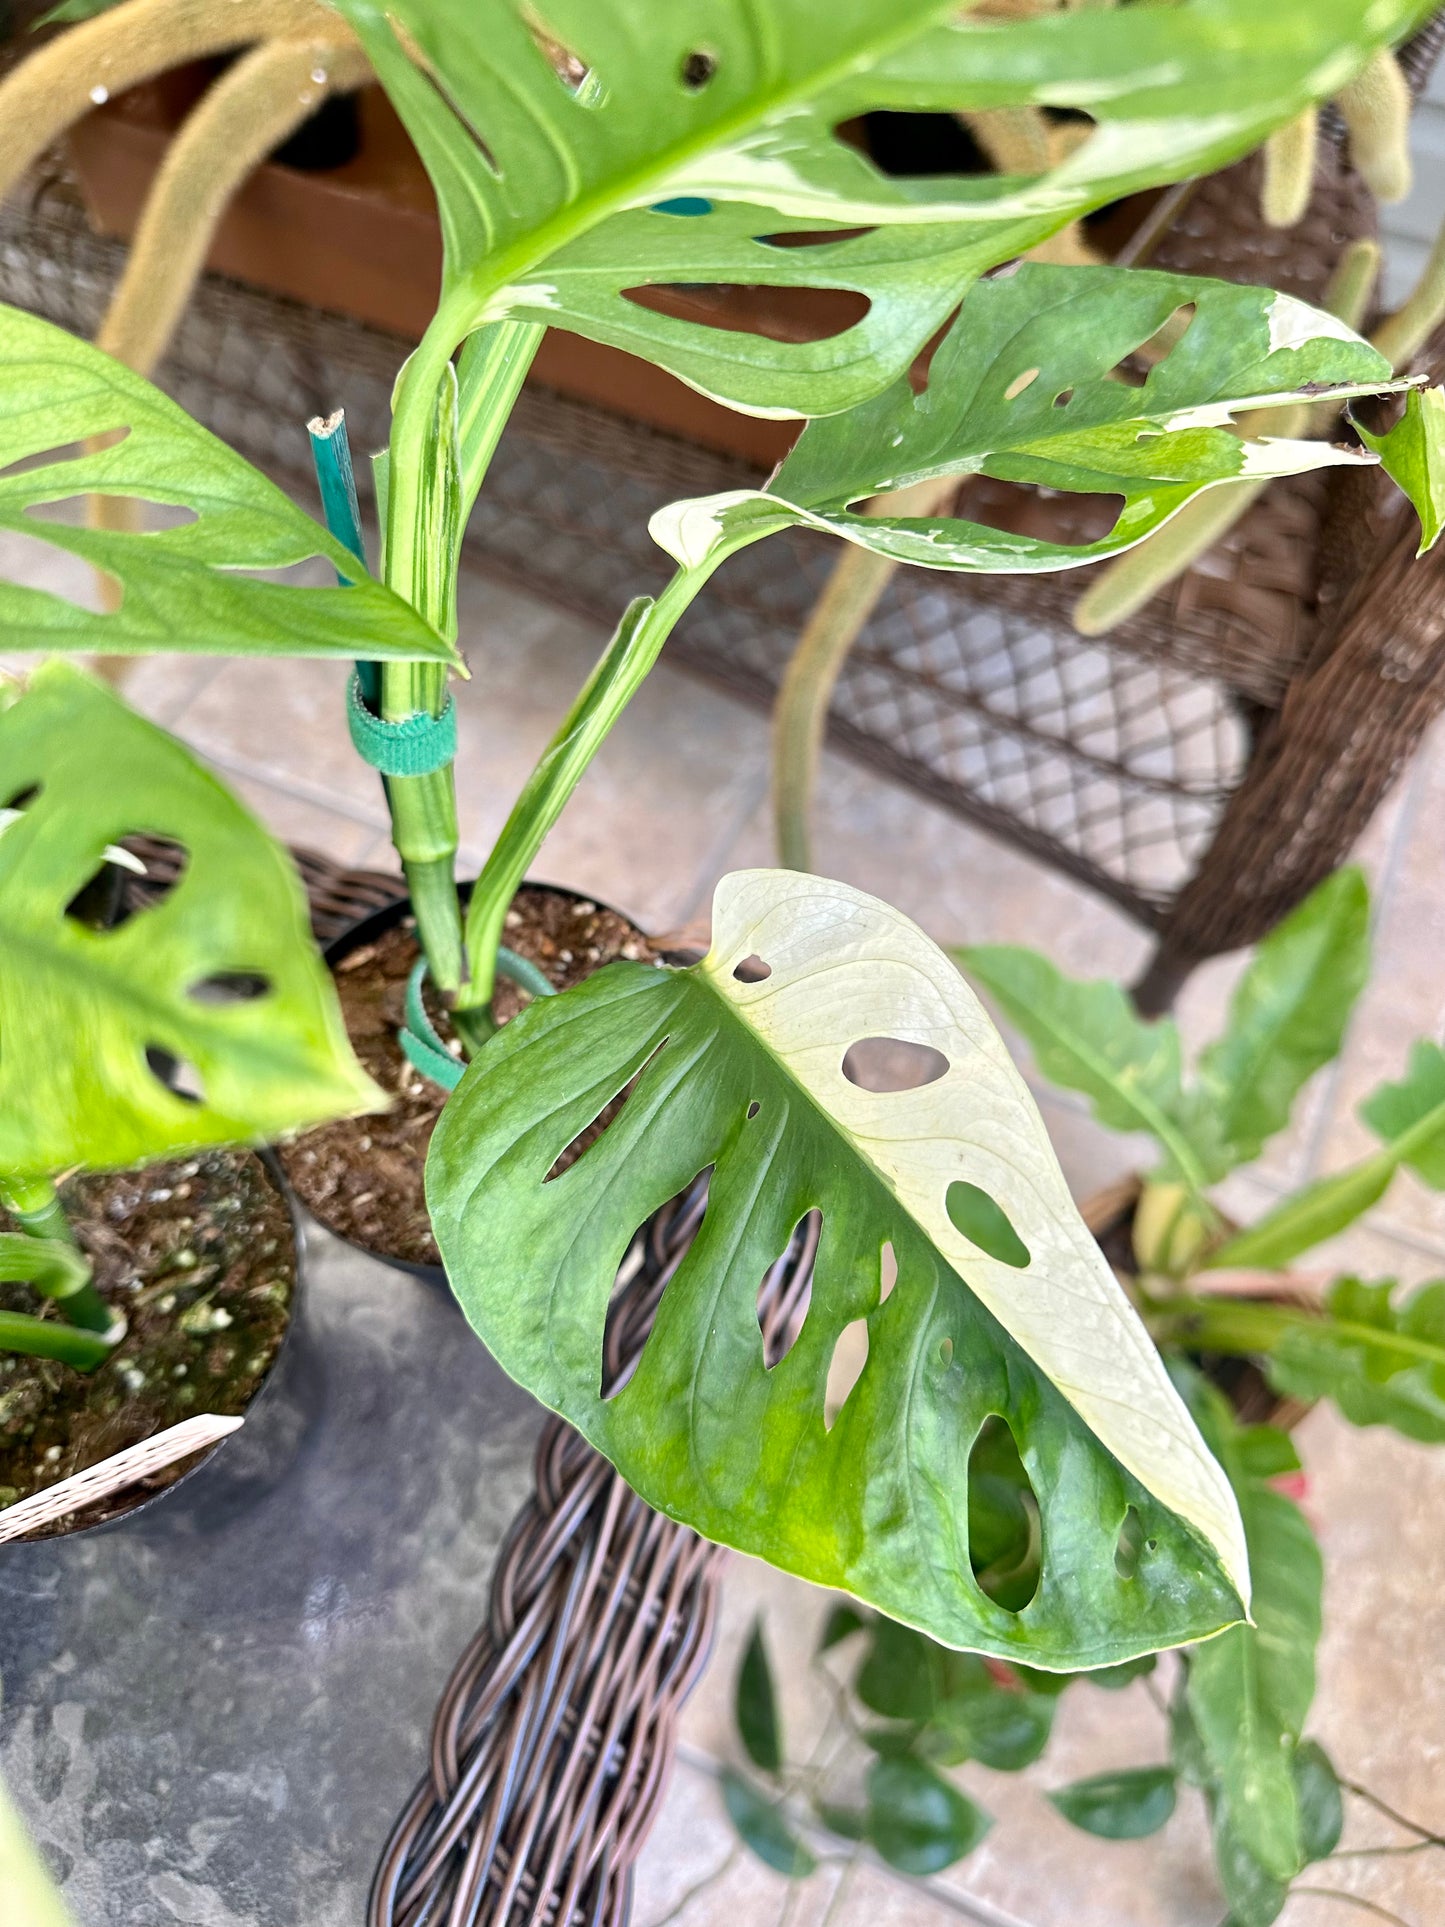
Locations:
{"points": [[1113, 1678], [841, 1624], [1003, 1726], [560, 173], [757, 1707], [847, 1822], [744, 1078], [182, 588], [1413, 453], [902, 1676], [1382, 1362], [80, 1008], [1021, 389], [1119, 1806], [1288, 1014], [1321, 1809], [1265, 1452], [1088, 1037], [763, 1826], [917, 1821]]}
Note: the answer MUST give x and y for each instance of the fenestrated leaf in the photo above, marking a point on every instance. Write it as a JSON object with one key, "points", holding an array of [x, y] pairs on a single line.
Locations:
{"points": [[763, 1826], [917, 1821], [1129, 1805], [183, 588], [1088, 1037], [1021, 389], [756, 1705], [1288, 1014], [1413, 454], [555, 135], [1381, 1362], [80, 1007], [746, 1079]]}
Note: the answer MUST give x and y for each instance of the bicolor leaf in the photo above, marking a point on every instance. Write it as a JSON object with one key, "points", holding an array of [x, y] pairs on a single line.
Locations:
{"points": [[192, 587], [222, 975], [586, 151], [1024, 388], [746, 1079]]}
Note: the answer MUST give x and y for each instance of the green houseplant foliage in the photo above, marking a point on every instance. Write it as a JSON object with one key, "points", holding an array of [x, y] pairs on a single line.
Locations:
{"points": [[616, 146]]}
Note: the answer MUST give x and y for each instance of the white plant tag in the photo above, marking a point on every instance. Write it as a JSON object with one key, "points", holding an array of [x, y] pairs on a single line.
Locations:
{"points": [[115, 1473]]}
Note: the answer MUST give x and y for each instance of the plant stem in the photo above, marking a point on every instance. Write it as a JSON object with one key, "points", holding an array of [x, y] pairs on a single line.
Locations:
{"points": [[619, 673], [1428, 1836], [490, 372], [35, 1206], [49, 1338], [423, 531]]}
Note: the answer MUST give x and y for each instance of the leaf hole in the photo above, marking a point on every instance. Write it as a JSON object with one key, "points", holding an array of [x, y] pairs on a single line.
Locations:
{"points": [[892, 1064], [178, 1074], [788, 315], [652, 1260], [945, 1351], [697, 70], [230, 987], [850, 1356], [136, 873], [598, 1127], [1131, 1544], [753, 1110], [887, 1271], [781, 1314], [1134, 368], [984, 1222], [752, 970], [1020, 382], [21, 799], [686, 205], [1005, 1532], [1063, 398]]}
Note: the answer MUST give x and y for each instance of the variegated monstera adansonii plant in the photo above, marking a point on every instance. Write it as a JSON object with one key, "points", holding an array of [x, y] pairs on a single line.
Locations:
{"points": [[585, 152]]}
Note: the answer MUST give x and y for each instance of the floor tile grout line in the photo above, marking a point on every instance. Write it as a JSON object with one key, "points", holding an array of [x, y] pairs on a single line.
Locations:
{"points": [[1384, 902]]}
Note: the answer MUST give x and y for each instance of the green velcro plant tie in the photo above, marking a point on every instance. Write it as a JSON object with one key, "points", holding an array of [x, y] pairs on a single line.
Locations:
{"points": [[415, 747]]}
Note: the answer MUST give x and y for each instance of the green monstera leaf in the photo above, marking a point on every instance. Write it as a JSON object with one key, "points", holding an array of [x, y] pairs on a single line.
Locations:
{"points": [[182, 588], [1024, 388], [1003, 1309], [221, 975], [585, 150]]}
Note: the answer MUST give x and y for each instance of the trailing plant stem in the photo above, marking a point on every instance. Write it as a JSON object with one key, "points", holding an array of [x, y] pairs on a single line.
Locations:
{"points": [[49, 1338], [620, 671], [35, 1206]]}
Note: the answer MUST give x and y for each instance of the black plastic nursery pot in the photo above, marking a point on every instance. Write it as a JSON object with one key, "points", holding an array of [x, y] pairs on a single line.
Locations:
{"points": [[363, 1178], [226, 1475]]}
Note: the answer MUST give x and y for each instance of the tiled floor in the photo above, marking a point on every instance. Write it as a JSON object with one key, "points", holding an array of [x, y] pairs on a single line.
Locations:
{"points": [[678, 796]]}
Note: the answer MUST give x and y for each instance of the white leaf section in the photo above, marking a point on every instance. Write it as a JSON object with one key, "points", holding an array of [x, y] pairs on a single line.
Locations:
{"points": [[845, 966]]}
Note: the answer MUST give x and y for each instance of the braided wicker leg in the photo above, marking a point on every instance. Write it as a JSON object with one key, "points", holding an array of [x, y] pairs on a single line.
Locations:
{"points": [[553, 1737]]}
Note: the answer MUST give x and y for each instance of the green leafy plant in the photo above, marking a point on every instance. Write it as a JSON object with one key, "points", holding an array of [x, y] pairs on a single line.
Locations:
{"points": [[585, 157], [1210, 1293]]}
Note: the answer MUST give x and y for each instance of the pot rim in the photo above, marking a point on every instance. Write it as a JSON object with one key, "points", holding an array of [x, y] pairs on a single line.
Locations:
{"points": [[281, 1184]]}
